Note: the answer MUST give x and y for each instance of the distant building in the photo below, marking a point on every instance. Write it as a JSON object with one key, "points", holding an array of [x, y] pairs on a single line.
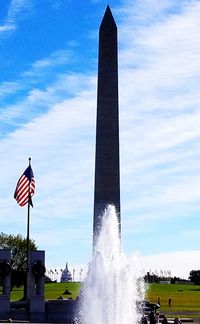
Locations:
{"points": [[66, 275]]}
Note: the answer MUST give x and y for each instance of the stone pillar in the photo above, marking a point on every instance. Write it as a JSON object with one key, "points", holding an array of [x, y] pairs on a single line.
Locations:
{"points": [[35, 285], [5, 280]]}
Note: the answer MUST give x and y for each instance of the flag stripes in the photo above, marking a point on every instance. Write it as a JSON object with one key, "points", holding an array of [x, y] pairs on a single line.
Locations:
{"points": [[25, 187]]}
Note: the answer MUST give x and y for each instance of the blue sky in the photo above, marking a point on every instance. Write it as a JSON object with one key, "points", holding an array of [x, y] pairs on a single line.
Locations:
{"points": [[48, 62]]}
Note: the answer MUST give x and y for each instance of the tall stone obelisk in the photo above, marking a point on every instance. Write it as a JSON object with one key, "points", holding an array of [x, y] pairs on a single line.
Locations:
{"points": [[107, 175]]}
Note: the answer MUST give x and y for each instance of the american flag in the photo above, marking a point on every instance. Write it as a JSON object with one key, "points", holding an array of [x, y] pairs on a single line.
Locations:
{"points": [[25, 187]]}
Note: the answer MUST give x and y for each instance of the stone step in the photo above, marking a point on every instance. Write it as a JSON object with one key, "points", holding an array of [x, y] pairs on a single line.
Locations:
{"points": [[19, 315]]}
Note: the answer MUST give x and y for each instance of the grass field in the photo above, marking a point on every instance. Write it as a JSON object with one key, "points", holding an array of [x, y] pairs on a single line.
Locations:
{"points": [[52, 290], [185, 298]]}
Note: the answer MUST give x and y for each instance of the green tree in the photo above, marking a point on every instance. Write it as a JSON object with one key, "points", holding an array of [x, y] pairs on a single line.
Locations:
{"points": [[195, 276], [18, 246]]}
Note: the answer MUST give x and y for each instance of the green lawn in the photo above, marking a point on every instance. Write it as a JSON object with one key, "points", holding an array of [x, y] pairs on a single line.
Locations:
{"points": [[16, 293], [52, 290], [55, 290], [185, 298]]}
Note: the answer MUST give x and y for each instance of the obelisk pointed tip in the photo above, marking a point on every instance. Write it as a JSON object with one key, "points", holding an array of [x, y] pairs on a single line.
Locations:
{"points": [[108, 18], [108, 9]]}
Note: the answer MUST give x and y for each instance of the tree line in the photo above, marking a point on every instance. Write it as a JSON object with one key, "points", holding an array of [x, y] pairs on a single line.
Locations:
{"points": [[18, 246]]}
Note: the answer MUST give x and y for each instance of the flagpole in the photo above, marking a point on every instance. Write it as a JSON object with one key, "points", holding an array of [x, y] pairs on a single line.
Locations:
{"points": [[27, 239], [24, 191]]}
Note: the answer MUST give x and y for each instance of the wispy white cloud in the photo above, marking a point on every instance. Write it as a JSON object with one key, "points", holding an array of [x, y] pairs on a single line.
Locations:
{"points": [[159, 109], [28, 83], [30, 99], [41, 66], [14, 10], [7, 88], [37, 102], [6, 28]]}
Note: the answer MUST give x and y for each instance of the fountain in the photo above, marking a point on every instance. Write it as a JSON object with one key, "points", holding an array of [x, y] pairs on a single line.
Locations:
{"points": [[114, 283]]}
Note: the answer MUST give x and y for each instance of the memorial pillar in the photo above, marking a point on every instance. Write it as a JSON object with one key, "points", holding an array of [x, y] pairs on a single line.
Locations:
{"points": [[35, 285], [5, 283]]}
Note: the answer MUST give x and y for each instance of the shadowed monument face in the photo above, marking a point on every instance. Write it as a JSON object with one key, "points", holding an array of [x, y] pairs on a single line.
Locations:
{"points": [[107, 175]]}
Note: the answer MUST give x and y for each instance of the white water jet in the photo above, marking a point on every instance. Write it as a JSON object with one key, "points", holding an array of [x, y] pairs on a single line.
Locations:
{"points": [[114, 282]]}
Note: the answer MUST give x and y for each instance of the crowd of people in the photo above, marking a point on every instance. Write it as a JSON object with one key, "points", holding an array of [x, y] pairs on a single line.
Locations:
{"points": [[153, 318]]}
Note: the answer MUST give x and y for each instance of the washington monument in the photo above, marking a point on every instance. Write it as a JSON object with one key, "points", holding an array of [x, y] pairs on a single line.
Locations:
{"points": [[107, 175]]}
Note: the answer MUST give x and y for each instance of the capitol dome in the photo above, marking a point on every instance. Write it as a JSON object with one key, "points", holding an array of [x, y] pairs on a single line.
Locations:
{"points": [[66, 275]]}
